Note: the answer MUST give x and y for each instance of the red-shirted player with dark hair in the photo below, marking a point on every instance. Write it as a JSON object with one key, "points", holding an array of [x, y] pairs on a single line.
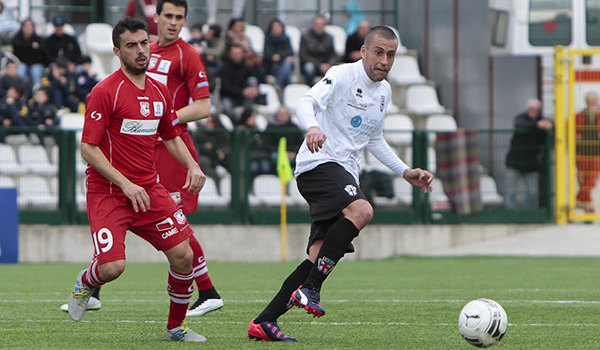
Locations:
{"points": [[125, 114]]}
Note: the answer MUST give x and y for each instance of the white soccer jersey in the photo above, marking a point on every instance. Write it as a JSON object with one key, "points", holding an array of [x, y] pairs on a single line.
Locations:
{"points": [[349, 109]]}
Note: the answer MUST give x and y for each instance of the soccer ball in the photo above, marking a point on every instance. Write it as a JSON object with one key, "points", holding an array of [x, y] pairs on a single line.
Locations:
{"points": [[482, 322]]}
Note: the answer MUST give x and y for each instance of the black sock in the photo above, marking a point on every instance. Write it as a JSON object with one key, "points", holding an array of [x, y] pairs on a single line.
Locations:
{"points": [[208, 294], [96, 293], [334, 246], [278, 306]]}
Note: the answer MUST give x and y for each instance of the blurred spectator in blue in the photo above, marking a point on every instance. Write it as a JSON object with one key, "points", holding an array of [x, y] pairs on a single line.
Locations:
{"points": [[316, 51], [9, 76], [61, 85], [61, 44], [85, 79], [355, 41], [278, 55], [27, 46], [8, 24], [12, 108], [239, 85], [355, 16], [41, 113]]}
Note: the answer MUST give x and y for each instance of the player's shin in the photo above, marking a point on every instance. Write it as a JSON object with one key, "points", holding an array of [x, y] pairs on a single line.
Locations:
{"points": [[180, 289]]}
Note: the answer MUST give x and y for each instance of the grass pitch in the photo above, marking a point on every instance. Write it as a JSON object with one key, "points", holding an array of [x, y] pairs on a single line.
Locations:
{"points": [[403, 303]]}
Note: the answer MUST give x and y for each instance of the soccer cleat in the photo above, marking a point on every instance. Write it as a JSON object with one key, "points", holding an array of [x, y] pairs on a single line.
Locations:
{"points": [[78, 300], [183, 333], [204, 306], [92, 305], [309, 299], [268, 331]]}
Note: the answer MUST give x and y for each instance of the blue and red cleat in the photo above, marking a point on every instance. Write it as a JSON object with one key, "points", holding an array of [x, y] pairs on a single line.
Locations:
{"points": [[268, 331], [309, 299]]}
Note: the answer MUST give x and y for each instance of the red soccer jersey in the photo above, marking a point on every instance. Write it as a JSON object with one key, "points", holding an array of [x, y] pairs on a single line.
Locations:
{"points": [[180, 67], [125, 123]]}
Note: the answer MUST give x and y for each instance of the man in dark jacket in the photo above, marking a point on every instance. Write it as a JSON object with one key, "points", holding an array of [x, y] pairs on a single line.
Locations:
{"points": [[525, 156], [355, 41], [317, 54], [239, 85], [61, 44]]}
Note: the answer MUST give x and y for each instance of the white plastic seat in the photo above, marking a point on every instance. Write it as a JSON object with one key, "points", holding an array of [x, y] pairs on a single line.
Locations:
{"points": [[185, 33], [439, 123], [8, 162], [226, 122], [294, 34], [438, 198], [72, 121], [405, 71], [7, 182], [401, 48], [256, 36], [266, 191], [35, 159], [423, 100], [489, 191], [225, 185], [272, 99], [292, 94], [339, 38], [16, 139], [34, 192], [98, 42], [209, 196], [398, 129]]}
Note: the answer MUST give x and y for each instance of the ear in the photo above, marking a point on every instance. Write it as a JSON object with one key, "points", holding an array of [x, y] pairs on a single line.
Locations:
{"points": [[117, 52], [363, 51], [156, 18]]}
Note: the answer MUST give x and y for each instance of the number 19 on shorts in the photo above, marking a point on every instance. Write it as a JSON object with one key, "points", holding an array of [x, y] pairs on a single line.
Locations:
{"points": [[103, 240]]}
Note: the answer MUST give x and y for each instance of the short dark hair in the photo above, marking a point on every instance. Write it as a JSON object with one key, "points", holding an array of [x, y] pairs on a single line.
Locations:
{"points": [[19, 88], [176, 3], [383, 31], [127, 24]]}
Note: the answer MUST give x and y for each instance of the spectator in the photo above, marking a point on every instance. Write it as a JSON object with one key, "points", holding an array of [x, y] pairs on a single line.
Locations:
{"points": [[12, 108], [209, 46], [260, 161], [41, 113], [355, 41], [239, 85], [316, 51], [8, 24], [236, 36], [525, 156], [355, 17], [278, 55], [27, 46], [283, 126], [143, 10], [587, 151], [61, 44], [213, 145], [9, 77], [61, 86], [85, 79]]}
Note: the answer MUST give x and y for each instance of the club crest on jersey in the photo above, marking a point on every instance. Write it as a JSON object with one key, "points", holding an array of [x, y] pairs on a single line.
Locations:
{"points": [[356, 121], [144, 108], [180, 217], [382, 103]]}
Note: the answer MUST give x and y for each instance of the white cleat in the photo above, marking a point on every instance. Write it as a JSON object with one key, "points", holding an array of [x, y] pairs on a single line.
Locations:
{"points": [[79, 298], [183, 333], [92, 305], [208, 305]]}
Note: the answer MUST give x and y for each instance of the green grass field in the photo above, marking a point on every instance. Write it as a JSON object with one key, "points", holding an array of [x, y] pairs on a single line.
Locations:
{"points": [[403, 303]]}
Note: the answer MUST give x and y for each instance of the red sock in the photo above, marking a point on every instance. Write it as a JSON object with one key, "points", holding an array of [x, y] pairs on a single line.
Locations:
{"points": [[91, 277], [180, 289], [199, 266]]}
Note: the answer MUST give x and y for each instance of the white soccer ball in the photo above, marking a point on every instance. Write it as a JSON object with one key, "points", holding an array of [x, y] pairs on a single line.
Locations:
{"points": [[482, 322]]}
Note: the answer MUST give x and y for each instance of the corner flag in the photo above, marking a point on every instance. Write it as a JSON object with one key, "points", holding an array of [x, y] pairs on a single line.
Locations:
{"points": [[284, 169]]}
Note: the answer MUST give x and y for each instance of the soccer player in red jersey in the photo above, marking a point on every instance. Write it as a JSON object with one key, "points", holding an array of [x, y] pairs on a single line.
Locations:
{"points": [[125, 115]]}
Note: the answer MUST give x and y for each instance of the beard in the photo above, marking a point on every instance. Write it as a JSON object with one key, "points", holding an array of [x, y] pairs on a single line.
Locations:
{"points": [[133, 68]]}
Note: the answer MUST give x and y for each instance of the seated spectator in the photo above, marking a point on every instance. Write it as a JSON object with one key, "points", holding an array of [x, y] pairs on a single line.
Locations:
{"points": [[12, 108], [61, 86], [213, 145], [85, 79], [355, 41], [236, 36], [260, 161], [27, 46], [209, 47], [10, 77], [283, 126], [60, 44], [41, 113], [278, 55], [316, 51], [239, 85], [8, 24]]}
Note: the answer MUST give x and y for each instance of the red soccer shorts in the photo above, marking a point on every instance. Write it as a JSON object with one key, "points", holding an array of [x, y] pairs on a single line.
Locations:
{"points": [[164, 225]]}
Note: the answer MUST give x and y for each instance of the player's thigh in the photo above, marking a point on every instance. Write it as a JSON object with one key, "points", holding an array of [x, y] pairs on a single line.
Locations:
{"points": [[109, 217]]}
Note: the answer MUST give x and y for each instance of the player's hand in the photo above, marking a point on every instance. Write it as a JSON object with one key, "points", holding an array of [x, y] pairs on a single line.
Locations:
{"points": [[420, 178], [315, 139], [138, 196], [195, 180]]}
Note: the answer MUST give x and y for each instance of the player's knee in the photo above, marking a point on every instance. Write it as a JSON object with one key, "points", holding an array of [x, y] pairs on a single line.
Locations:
{"points": [[360, 212], [181, 259], [111, 270]]}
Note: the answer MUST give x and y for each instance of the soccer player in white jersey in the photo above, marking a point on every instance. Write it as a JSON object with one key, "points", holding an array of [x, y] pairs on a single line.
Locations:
{"points": [[343, 115]]}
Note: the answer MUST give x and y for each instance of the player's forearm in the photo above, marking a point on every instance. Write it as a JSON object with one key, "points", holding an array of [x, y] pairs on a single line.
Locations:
{"points": [[382, 151], [94, 156], [200, 109], [178, 149]]}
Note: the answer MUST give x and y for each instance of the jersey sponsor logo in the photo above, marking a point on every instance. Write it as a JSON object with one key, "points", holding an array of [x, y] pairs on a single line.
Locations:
{"points": [[170, 233], [356, 121], [96, 116], [165, 225], [152, 63], [158, 108], [351, 189], [139, 127], [325, 265], [180, 217], [381, 103], [144, 108], [164, 66], [176, 196]]}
